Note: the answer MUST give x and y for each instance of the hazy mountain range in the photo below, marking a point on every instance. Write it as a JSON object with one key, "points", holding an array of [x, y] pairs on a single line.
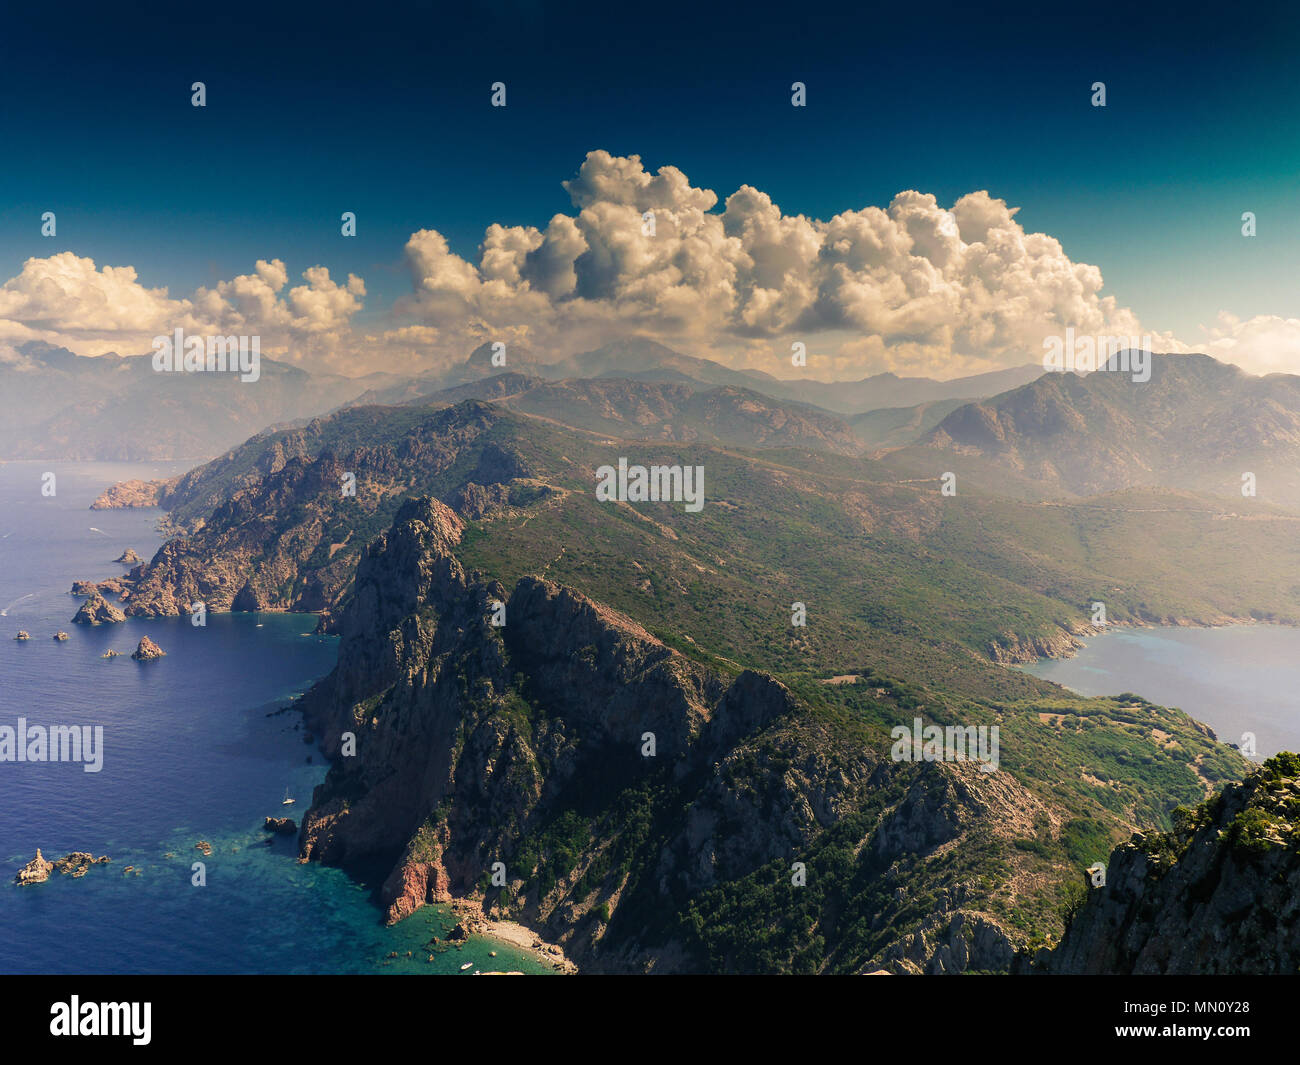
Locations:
{"points": [[59, 405], [1197, 424], [117, 408]]}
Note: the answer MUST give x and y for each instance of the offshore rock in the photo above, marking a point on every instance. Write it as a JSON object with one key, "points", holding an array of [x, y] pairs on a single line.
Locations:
{"points": [[37, 871], [98, 611], [147, 650]]}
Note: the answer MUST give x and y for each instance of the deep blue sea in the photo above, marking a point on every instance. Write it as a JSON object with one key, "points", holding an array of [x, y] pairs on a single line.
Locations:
{"points": [[197, 746], [1236, 679]]}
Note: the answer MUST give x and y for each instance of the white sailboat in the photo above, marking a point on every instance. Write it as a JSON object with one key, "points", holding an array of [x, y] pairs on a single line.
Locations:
{"points": [[287, 801]]}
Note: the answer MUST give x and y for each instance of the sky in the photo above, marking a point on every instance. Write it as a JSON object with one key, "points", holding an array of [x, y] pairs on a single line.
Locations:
{"points": [[911, 110]]}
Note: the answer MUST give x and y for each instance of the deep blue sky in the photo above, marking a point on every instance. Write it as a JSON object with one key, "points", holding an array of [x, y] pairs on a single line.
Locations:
{"points": [[326, 108]]}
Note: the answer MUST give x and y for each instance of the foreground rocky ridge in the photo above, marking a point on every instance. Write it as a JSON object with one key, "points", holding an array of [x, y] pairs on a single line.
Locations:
{"points": [[1218, 894], [525, 744]]}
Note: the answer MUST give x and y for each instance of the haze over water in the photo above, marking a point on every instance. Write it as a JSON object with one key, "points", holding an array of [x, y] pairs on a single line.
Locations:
{"points": [[1236, 679], [194, 749]]}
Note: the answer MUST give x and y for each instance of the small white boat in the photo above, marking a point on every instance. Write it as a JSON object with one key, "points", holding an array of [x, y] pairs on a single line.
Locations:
{"points": [[466, 966], [286, 801]]}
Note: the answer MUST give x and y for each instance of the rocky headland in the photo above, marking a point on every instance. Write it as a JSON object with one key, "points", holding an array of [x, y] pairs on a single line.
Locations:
{"points": [[126, 494], [506, 767]]}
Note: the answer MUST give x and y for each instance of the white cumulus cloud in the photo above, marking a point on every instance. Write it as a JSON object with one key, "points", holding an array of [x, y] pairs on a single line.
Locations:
{"points": [[66, 299], [915, 286], [1263, 344]]}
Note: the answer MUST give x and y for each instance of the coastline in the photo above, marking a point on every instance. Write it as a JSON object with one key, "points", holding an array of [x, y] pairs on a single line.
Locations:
{"points": [[1069, 643], [513, 934], [1232, 677]]}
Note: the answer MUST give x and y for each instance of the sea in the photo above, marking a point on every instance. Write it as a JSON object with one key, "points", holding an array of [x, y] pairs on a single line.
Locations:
{"points": [[1237, 679], [198, 747]]}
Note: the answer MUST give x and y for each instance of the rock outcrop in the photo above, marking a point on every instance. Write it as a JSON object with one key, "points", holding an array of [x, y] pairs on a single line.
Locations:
{"points": [[126, 494], [74, 863], [1219, 894], [147, 650], [97, 611], [60, 636], [78, 863], [37, 871], [128, 558], [23, 634], [281, 826], [119, 586]]}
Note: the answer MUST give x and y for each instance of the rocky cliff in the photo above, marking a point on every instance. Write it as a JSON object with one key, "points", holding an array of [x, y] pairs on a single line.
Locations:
{"points": [[569, 770], [1218, 894], [290, 518]]}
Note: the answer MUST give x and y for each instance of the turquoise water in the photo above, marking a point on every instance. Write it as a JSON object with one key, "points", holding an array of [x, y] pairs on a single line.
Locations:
{"points": [[1236, 679], [197, 746]]}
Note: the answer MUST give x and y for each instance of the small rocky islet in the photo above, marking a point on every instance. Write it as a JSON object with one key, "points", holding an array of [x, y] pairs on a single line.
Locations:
{"points": [[127, 494], [98, 611], [74, 863], [147, 650]]}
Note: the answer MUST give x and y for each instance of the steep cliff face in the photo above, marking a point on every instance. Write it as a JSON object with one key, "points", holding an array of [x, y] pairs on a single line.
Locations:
{"points": [[1218, 894], [615, 781]]}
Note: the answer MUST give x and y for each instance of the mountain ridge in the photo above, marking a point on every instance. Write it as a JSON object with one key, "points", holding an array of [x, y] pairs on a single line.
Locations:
{"points": [[1197, 424]]}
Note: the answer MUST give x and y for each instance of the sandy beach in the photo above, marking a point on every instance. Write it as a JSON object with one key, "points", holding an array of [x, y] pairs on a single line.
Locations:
{"points": [[515, 935]]}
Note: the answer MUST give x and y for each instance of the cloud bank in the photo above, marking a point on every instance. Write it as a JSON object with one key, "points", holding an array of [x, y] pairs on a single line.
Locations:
{"points": [[65, 299], [914, 287]]}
